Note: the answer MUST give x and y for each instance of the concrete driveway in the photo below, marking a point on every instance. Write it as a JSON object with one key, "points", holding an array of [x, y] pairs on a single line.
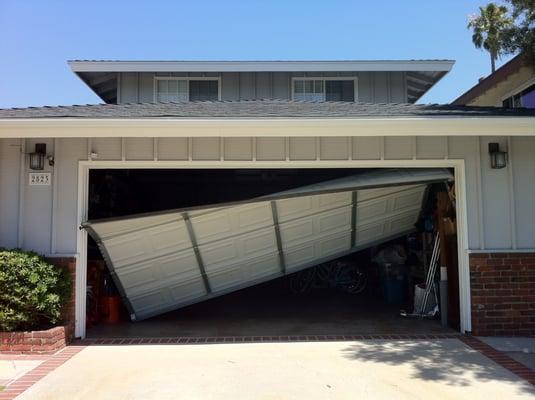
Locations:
{"points": [[369, 369]]}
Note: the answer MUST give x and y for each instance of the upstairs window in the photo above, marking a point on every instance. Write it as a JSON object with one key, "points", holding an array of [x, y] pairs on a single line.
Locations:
{"points": [[309, 90], [182, 89], [203, 90], [174, 90], [332, 89], [526, 98]]}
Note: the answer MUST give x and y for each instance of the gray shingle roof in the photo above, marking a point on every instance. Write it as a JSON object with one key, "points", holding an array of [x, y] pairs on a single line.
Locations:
{"points": [[259, 109]]}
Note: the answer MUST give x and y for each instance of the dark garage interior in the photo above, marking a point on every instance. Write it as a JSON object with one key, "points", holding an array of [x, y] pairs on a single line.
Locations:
{"points": [[361, 293]]}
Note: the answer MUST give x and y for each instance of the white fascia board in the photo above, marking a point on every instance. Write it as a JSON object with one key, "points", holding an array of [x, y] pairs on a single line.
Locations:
{"points": [[261, 66], [437, 126]]}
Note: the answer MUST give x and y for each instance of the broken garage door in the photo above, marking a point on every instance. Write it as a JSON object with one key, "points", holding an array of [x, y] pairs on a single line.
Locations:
{"points": [[166, 260]]}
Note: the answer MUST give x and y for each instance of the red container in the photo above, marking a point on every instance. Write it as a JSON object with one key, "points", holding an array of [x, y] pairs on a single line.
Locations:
{"points": [[111, 309]]}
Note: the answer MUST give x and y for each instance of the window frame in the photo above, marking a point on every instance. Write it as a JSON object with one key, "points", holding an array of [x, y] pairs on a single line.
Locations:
{"points": [[516, 90], [187, 79], [324, 79]]}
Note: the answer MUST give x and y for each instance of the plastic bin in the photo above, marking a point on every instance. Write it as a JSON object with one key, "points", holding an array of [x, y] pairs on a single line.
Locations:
{"points": [[394, 290]]}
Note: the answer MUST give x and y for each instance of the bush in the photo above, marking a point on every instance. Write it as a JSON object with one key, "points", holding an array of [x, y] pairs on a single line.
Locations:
{"points": [[32, 291]]}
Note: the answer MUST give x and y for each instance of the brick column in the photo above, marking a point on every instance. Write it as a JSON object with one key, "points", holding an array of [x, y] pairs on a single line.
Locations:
{"points": [[503, 294], [69, 263]]}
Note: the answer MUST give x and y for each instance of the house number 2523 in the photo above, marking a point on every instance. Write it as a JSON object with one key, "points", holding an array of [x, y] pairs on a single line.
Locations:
{"points": [[40, 178]]}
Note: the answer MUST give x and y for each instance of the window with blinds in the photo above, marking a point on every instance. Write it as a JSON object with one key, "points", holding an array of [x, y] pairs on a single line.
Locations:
{"points": [[323, 90], [181, 90]]}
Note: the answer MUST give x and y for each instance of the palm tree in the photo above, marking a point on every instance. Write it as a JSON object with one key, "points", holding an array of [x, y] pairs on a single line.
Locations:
{"points": [[488, 30]]}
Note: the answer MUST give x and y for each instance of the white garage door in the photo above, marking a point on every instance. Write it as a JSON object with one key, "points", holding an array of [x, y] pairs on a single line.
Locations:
{"points": [[167, 260]]}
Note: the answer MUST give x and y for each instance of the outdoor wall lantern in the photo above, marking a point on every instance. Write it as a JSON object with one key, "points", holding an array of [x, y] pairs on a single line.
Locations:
{"points": [[37, 158], [498, 159]]}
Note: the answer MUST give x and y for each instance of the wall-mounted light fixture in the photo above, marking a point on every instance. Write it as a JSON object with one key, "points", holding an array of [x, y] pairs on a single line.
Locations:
{"points": [[498, 159], [37, 158]]}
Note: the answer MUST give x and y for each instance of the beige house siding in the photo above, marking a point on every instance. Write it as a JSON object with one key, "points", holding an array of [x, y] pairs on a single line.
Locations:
{"points": [[513, 84]]}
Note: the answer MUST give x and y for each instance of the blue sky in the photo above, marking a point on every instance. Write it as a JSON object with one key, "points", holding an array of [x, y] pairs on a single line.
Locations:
{"points": [[37, 37]]}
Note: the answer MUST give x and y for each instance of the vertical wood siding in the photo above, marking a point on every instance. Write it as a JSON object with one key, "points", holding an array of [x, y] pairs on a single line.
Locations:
{"points": [[10, 153], [373, 87], [497, 217]]}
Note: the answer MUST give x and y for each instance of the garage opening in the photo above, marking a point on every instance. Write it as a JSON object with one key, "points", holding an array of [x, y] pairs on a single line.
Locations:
{"points": [[311, 259]]}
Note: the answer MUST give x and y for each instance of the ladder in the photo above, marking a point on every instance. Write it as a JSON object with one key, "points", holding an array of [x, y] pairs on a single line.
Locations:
{"points": [[419, 309]]}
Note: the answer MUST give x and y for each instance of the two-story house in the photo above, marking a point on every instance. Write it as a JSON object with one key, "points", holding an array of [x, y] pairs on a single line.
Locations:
{"points": [[193, 133]]}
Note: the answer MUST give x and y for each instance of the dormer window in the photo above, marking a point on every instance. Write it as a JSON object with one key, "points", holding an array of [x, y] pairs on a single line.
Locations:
{"points": [[324, 89], [171, 89]]}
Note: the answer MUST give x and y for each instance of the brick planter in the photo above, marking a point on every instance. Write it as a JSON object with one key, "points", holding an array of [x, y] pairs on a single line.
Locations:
{"points": [[34, 342]]}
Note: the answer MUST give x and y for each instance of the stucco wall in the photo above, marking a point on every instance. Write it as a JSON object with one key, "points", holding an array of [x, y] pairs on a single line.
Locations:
{"points": [[499, 202]]}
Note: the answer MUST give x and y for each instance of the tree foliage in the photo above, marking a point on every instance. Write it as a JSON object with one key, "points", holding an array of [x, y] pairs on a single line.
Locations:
{"points": [[489, 30], [32, 291], [520, 37]]}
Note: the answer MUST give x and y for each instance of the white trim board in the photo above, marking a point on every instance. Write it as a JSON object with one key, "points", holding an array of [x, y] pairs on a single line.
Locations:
{"points": [[260, 66], [297, 127], [460, 182]]}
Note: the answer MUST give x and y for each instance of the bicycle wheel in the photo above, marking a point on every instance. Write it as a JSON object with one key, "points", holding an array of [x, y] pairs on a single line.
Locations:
{"points": [[301, 282], [352, 280]]}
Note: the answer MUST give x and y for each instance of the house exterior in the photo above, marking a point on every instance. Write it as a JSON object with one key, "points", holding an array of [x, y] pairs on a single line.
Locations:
{"points": [[280, 114], [512, 85]]}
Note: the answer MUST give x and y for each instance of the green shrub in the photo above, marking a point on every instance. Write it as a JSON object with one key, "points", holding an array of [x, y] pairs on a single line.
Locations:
{"points": [[32, 291]]}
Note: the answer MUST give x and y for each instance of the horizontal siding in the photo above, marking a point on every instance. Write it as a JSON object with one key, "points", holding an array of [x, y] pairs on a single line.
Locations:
{"points": [[495, 198]]}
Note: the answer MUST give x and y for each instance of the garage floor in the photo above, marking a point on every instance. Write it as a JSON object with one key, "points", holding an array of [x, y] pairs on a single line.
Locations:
{"points": [[270, 309]]}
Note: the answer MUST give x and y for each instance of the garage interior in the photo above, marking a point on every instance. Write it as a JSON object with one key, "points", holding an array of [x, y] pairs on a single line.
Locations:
{"points": [[362, 292]]}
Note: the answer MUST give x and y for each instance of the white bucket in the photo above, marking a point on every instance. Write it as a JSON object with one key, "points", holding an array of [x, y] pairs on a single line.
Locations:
{"points": [[419, 291]]}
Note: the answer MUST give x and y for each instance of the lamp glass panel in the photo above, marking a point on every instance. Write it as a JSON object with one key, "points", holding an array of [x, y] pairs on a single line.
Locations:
{"points": [[37, 161]]}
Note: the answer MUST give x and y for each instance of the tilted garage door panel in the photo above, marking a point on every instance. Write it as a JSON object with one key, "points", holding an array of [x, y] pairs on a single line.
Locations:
{"points": [[231, 221], [239, 249], [295, 208], [162, 300], [251, 271], [158, 273], [307, 253], [167, 260], [120, 226], [147, 244]]}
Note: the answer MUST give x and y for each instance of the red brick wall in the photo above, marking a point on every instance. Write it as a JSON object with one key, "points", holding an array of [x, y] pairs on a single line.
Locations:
{"points": [[503, 294], [41, 342], [69, 318]]}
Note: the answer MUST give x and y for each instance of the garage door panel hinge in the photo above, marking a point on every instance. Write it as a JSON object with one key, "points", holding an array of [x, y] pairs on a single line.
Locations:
{"points": [[197, 252]]}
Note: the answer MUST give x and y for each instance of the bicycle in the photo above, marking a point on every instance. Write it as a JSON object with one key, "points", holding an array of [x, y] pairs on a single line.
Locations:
{"points": [[341, 275]]}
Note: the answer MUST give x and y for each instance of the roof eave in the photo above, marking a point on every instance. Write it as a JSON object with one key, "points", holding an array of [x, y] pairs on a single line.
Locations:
{"points": [[260, 66], [272, 127]]}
